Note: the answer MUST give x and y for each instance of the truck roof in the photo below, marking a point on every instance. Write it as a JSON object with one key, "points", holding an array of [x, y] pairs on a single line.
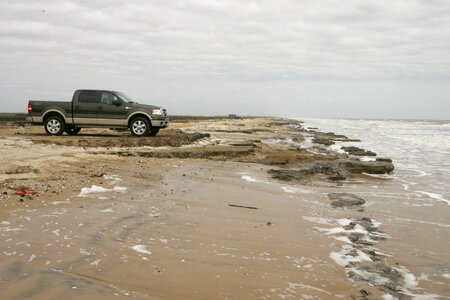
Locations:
{"points": [[98, 90]]}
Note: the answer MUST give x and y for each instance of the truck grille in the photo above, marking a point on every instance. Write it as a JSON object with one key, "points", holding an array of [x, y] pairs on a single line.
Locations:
{"points": [[164, 112]]}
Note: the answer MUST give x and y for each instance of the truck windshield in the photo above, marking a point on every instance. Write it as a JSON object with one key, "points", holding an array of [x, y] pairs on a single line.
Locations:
{"points": [[125, 98]]}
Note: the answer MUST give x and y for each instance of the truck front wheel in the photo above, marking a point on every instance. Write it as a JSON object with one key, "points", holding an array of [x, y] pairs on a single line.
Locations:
{"points": [[140, 126], [154, 131], [54, 125]]}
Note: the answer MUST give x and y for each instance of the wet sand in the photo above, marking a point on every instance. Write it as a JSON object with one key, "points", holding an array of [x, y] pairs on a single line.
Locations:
{"points": [[133, 221]]}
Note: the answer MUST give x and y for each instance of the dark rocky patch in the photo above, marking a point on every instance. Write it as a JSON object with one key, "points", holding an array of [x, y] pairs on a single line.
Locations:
{"points": [[21, 170], [283, 122], [293, 157], [333, 170], [322, 141], [345, 200], [197, 136], [243, 144], [358, 151], [246, 131], [332, 137], [367, 224], [328, 169], [370, 167], [384, 159], [228, 152], [394, 279], [112, 139]]}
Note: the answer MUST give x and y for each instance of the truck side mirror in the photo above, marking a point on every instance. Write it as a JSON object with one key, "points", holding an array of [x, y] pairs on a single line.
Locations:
{"points": [[116, 102]]}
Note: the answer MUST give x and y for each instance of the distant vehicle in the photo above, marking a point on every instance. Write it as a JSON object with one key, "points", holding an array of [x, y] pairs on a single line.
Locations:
{"points": [[97, 108], [233, 116]]}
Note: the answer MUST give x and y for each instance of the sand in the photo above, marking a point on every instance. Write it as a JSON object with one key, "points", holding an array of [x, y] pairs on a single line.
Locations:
{"points": [[150, 218]]}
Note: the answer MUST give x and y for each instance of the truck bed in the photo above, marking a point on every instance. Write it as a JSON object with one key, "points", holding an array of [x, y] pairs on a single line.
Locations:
{"points": [[39, 106]]}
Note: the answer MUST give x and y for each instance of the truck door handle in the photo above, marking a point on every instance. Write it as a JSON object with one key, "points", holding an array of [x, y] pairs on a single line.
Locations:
{"points": [[100, 107]]}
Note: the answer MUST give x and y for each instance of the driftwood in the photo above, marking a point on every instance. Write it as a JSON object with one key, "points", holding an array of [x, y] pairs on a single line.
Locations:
{"points": [[241, 206]]}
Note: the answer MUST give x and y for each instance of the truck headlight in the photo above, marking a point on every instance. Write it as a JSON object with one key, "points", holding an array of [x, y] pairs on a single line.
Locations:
{"points": [[156, 111]]}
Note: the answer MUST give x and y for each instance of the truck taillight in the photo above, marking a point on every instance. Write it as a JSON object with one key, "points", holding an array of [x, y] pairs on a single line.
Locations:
{"points": [[30, 108]]}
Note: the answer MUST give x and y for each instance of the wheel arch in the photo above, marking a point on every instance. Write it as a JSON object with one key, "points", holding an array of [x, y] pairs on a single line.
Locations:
{"points": [[137, 115], [53, 112]]}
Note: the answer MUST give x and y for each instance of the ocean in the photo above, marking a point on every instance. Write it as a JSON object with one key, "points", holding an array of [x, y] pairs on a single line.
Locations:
{"points": [[412, 203], [420, 151]]}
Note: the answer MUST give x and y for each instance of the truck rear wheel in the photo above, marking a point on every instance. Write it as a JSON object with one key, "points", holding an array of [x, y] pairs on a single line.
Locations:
{"points": [[72, 130], [140, 126], [54, 125]]}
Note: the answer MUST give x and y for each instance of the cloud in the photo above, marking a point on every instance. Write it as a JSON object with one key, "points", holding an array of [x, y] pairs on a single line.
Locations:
{"points": [[131, 43]]}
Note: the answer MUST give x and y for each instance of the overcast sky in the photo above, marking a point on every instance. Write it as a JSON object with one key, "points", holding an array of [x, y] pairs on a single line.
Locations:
{"points": [[330, 58]]}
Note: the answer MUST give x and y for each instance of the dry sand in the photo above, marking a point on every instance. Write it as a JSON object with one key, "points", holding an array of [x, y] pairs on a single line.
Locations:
{"points": [[150, 218]]}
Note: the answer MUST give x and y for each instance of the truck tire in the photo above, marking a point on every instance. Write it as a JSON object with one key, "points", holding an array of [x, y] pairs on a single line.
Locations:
{"points": [[153, 131], [54, 125], [140, 126], [72, 130]]}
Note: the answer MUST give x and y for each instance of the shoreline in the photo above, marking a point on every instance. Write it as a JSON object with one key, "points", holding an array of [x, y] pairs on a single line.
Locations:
{"points": [[176, 200]]}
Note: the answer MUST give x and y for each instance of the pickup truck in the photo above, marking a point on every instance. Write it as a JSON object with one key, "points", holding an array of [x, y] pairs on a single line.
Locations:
{"points": [[97, 108]]}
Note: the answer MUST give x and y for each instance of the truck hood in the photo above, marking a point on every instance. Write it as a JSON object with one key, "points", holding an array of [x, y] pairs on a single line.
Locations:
{"points": [[143, 106]]}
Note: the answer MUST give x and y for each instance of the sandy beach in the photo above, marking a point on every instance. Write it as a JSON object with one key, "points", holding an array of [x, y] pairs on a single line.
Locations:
{"points": [[262, 208]]}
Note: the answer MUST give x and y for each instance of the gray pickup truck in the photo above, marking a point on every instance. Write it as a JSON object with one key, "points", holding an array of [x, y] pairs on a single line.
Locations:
{"points": [[97, 108]]}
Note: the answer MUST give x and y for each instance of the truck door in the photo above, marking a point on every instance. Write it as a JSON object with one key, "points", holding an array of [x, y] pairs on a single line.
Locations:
{"points": [[111, 110], [85, 109]]}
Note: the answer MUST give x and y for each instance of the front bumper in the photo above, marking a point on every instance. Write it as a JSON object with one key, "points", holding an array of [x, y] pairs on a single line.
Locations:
{"points": [[162, 123]]}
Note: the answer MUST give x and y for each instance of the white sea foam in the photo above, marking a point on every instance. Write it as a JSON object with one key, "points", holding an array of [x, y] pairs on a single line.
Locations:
{"points": [[389, 297], [24, 243], [372, 277], [343, 257], [98, 189], [411, 281], [350, 256], [319, 220], [293, 285], [112, 178], [386, 176], [337, 148], [85, 253], [343, 239], [60, 202], [252, 179], [435, 196], [294, 190], [367, 158], [141, 249], [8, 229]]}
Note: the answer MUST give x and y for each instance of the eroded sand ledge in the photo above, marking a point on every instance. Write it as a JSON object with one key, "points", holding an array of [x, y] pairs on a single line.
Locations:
{"points": [[151, 217]]}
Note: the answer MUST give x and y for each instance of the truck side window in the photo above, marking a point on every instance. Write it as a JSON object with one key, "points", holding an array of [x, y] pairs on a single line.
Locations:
{"points": [[107, 98], [88, 97]]}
